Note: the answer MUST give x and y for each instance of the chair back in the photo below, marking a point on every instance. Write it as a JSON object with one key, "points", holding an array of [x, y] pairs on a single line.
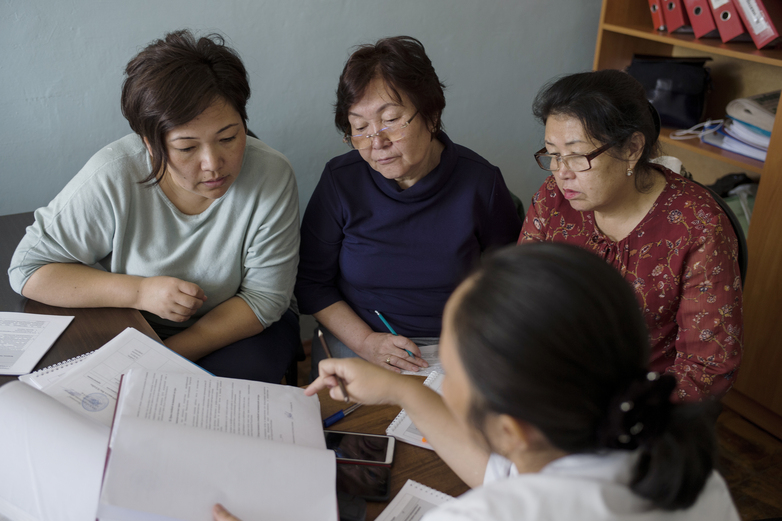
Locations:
{"points": [[734, 221]]}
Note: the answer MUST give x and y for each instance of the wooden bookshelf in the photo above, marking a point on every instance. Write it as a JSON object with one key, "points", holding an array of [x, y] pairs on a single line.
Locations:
{"points": [[738, 69]]}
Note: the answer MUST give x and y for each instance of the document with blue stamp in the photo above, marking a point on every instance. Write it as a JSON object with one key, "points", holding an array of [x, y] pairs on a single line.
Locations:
{"points": [[91, 387], [25, 338]]}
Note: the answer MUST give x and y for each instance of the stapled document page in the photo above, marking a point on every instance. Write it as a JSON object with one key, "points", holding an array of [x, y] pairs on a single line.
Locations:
{"points": [[25, 338], [412, 502], [181, 443]]}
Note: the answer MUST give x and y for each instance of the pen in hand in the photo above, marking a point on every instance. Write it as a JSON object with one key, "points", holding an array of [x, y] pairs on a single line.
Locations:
{"points": [[328, 354], [391, 329]]}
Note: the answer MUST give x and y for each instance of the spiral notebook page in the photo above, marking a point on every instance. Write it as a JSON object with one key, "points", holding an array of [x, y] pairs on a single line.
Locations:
{"points": [[48, 375], [403, 428], [91, 387], [412, 502]]}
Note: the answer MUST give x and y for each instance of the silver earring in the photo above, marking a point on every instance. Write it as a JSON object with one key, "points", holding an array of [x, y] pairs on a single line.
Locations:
{"points": [[629, 172]]}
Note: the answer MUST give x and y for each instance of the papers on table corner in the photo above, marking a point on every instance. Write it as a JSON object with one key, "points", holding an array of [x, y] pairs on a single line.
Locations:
{"points": [[25, 338]]}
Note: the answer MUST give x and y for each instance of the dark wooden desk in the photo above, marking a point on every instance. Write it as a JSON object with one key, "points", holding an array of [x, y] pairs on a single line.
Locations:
{"points": [[410, 462], [90, 329]]}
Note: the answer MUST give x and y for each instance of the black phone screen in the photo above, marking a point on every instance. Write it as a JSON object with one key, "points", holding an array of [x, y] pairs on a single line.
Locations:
{"points": [[367, 481], [357, 446]]}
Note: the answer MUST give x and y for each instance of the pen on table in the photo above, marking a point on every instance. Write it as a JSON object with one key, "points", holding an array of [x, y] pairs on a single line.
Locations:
{"points": [[328, 354], [334, 418], [391, 329]]}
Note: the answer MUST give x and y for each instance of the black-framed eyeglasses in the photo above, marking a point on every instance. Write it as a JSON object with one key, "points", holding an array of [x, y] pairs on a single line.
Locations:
{"points": [[573, 162], [392, 132]]}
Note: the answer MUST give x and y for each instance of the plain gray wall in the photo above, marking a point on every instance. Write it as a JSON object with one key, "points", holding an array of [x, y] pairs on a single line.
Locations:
{"points": [[62, 63]]}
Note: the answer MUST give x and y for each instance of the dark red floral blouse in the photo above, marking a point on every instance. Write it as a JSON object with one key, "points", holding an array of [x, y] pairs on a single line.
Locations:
{"points": [[682, 261]]}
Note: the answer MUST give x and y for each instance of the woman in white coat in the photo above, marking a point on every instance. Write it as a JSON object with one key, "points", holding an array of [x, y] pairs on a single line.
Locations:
{"points": [[548, 410]]}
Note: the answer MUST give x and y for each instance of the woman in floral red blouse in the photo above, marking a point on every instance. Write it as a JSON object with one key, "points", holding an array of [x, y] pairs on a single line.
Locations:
{"points": [[666, 235]]}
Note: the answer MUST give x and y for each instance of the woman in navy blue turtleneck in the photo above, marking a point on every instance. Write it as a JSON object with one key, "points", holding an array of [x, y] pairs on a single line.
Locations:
{"points": [[394, 225]]}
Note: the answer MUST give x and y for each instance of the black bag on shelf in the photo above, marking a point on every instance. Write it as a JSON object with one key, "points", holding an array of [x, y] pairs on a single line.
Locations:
{"points": [[677, 87]]}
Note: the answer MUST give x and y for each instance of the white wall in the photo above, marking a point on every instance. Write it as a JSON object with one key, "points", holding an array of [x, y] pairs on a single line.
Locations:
{"points": [[62, 62]]}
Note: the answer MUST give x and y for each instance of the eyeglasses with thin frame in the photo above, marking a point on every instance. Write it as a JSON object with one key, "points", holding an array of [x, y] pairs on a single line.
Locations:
{"points": [[392, 132], [573, 162]]}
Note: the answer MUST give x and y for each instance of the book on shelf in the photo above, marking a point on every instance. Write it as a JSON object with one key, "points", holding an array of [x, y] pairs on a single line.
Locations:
{"points": [[181, 443], [658, 20], [701, 19], [758, 110], [722, 140], [759, 19], [676, 17], [746, 133], [728, 21]]}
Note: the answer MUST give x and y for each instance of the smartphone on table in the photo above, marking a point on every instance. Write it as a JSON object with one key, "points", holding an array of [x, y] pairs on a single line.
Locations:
{"points": [[363, 463], [361, 449]]}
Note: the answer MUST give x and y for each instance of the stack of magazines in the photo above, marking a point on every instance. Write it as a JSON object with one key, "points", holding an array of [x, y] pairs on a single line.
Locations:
{"points": [[747, 126]]}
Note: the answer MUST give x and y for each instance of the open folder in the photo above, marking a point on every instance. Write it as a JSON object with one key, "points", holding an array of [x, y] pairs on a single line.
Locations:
{"points": [[181, 443]]}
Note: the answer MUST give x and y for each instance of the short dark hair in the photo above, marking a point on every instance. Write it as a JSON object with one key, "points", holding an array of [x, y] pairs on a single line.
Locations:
{"points": [[403, 64], [175, 79], [552, 335], [612, 107]]}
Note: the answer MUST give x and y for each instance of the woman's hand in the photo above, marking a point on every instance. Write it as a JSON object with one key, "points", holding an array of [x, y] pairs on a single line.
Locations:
{"points": [[365, 383], [170, 298], [219, 513], [390, 352]]}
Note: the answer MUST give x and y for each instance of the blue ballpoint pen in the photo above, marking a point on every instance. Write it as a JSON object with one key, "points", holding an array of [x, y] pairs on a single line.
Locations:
{"points": [[334, 418], [391, 329]]}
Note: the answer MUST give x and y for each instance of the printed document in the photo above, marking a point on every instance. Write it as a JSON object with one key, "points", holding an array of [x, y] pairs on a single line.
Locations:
{"points": [[181, 443], [25, 338]]}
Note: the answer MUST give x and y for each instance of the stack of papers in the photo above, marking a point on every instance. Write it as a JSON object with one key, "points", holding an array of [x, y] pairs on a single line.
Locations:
{"points": [[747, 127], [735, 136]]}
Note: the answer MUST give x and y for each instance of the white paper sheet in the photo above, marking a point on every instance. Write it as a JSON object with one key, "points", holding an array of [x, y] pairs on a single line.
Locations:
{"points": [[52, 458], [279, 413], [181, 443], [25, 338], [431, 354]]}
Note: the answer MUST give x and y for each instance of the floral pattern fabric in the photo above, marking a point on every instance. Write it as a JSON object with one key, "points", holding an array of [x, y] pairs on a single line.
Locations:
{"points": [[682, 262]]}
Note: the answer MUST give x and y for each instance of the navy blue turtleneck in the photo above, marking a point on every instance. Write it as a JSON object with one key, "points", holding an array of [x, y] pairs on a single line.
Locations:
{"points": [[366, 241]]}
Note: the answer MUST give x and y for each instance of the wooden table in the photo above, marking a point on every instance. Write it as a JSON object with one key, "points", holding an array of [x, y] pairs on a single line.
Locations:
{"points": [[410, 462]]}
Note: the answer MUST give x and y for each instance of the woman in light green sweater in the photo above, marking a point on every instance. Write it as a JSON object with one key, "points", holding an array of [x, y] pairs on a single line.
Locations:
{"points": [[195, 223]]}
